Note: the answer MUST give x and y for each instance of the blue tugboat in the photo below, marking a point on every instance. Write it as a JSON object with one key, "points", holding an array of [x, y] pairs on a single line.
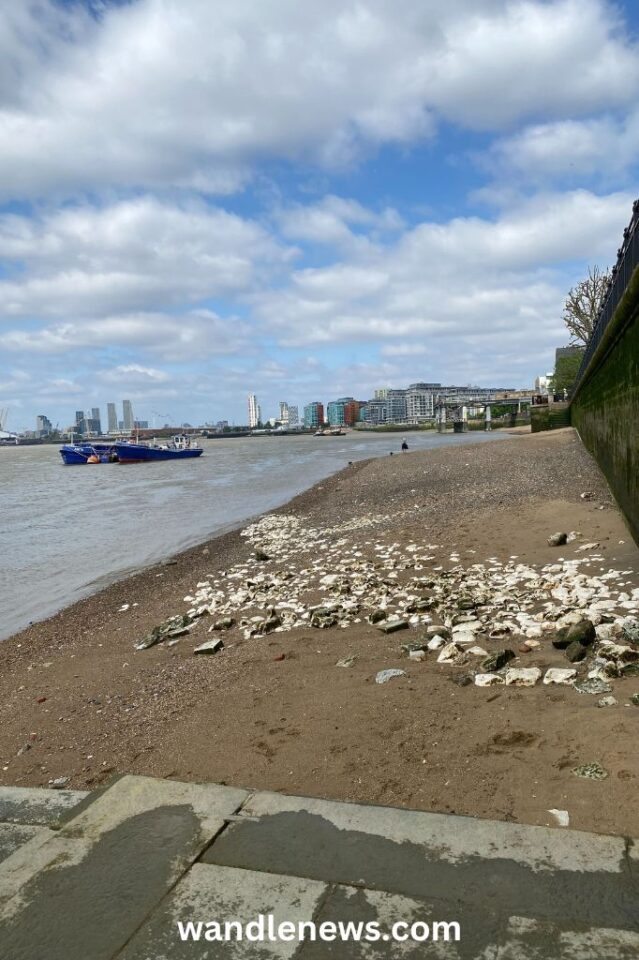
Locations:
{"points": [[78, 453], [180, 448]]}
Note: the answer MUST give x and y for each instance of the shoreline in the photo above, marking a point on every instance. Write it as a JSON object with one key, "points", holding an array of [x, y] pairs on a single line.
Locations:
{"points": [[78, 700], [109, 579]]}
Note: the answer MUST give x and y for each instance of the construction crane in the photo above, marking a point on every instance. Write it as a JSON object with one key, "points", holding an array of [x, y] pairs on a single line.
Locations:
{"points": [[163, 416]]}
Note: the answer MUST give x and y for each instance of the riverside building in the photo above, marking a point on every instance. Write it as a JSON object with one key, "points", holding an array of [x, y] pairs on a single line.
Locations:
{"points": [[314, 414]]}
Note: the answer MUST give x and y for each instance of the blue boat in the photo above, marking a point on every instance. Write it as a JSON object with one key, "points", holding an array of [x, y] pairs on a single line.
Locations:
{"points": [[77, 453], [180, 448]]}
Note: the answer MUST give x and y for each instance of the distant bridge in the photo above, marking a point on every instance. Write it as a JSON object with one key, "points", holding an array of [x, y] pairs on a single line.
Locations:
{"points": [[459, 410]]}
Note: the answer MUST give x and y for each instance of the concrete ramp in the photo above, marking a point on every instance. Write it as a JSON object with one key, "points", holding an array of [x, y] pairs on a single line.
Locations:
{"points": [[113, 874]]}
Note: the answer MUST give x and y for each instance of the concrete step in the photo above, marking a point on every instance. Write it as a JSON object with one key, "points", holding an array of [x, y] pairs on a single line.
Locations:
{"points": [[113, 879]]}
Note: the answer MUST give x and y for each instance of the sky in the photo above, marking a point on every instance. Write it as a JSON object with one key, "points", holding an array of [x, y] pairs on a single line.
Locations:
{"points": [[301, 200]]}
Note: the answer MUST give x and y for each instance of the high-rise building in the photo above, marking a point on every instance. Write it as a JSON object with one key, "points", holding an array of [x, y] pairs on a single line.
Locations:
{"points": [[43, 426], [254, 412], [80, 422], [112, 418], [95, 416], [127, 415], [293, 417], [284, 413], [314, 414]]}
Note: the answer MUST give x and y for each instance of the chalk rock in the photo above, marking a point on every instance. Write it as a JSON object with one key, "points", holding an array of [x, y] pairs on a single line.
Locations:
{"points": [[606, 702], [452, 653], [561, 816], [522, 676], [559, 675], [436, 642], [385, 675], [488, 679]]}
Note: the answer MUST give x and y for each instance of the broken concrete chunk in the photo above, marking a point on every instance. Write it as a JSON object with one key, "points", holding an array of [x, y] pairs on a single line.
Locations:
{"points": [[211, 646], [392, 626]]}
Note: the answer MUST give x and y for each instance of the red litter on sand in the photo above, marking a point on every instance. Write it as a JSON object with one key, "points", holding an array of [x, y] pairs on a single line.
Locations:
{"points": [[41, 700], [280, 656]]}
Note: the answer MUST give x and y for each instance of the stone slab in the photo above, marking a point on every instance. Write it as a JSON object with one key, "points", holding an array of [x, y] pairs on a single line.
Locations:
{"points": [[13, 836], [557, 874], [37, 805], [106, 869], [443, 931], [528, 939], [219, 894]]}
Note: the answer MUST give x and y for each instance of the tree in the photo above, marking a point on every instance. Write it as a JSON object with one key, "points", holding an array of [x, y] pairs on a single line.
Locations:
{"points": [[566, 370], [583, 302]]}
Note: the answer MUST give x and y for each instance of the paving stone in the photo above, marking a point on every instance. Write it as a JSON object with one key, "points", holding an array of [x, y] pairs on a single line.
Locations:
{"points": [[443, 930], [107, 868], [529, 939], [219, 894], [567, 875], [36, 805], [13, 836]]}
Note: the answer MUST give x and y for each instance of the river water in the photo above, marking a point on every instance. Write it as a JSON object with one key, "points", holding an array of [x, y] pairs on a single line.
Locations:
{"points": [[68, 531]]}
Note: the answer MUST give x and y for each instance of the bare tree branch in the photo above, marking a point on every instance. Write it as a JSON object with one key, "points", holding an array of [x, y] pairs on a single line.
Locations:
{"points": [[583, 303]]}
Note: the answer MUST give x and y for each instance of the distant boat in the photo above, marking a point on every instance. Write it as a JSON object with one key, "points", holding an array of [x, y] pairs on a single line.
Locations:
{"points": [[180, 448], [74, 454]]}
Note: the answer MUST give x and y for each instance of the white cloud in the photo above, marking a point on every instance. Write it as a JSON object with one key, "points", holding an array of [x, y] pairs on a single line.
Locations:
{"points": [[192, 93], [605, 146], [474, 285], [139, 254], [180, 337]]}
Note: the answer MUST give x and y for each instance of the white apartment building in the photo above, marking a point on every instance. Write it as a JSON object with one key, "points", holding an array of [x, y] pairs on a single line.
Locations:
{"points": [[254, 412]]}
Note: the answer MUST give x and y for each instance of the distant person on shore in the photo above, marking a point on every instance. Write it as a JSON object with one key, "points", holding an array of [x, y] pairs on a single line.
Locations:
{"points": [[404, 445]]}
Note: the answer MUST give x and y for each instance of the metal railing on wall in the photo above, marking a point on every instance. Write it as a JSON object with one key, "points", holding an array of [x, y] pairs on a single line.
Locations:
{"points": [[627, 260]]}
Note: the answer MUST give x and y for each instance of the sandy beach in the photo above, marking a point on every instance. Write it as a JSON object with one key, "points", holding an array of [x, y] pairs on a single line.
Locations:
{"points": [[455, 537]]}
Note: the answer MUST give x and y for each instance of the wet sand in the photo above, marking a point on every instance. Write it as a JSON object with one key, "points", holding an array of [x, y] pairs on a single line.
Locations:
{"points": [[274, 712]]}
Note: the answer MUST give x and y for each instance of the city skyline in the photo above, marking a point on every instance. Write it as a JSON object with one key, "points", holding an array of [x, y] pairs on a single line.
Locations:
{"points": [[427, 221]]}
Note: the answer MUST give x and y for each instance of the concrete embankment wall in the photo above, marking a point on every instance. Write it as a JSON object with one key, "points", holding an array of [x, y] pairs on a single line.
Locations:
{"points": [[605, 408]]}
